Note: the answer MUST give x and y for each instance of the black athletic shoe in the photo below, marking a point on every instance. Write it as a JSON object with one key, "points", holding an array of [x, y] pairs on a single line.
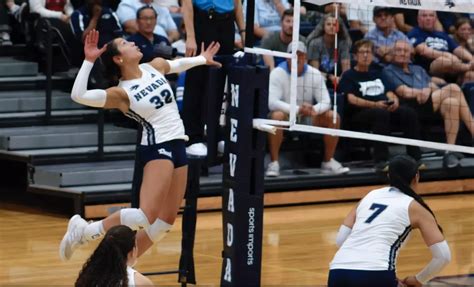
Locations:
{"points": [[450, 160]]}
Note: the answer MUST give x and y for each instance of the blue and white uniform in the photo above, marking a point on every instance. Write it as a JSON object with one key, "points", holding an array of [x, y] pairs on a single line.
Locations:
{"points": [[153, 105], [382, 225]]}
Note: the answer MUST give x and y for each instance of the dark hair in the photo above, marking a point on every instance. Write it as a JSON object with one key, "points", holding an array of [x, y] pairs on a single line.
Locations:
{"points": [[107, 266], [402, 170], [379, 9], [361, 43], [461, 21], [111, 69], [139, 11], [287, 12]]}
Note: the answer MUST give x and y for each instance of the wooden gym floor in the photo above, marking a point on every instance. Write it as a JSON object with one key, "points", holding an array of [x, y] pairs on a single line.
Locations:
{"points": [[298, 245]]}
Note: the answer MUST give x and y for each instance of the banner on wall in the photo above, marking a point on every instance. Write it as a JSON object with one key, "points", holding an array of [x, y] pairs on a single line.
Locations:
{"points": [[464, 6]]}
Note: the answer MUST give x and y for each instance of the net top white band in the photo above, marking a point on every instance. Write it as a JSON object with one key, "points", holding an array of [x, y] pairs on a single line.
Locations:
{"points": [[367, 136]]}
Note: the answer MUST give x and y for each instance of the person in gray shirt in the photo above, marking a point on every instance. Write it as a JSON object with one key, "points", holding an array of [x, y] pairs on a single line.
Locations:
{"points": [[417, 89], [279, 40]]}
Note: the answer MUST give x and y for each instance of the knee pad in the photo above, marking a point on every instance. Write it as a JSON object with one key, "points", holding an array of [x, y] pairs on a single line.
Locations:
{"points": [[134, 218], [158, 230]]}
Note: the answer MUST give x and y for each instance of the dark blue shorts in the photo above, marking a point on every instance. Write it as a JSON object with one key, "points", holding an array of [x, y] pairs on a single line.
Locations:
{"points": [[174, 150], [361, 278]]}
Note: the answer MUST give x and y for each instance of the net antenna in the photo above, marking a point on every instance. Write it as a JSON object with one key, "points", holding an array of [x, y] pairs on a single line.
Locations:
{"points": [[464, 6]]}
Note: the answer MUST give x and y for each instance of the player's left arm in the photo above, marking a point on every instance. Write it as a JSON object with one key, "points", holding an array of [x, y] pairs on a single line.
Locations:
{"points": [[422, 219], [183, 64]]}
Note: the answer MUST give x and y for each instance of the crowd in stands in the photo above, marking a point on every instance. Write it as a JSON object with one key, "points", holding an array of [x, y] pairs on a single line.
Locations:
{"points": [[404, 67]]}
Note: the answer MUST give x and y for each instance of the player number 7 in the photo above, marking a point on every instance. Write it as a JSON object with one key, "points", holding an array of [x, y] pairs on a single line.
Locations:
{"points": [[379, 208]]}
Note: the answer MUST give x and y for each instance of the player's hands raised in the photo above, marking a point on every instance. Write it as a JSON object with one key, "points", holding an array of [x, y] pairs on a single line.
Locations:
{"points": [[90, 46], [210, 52]]}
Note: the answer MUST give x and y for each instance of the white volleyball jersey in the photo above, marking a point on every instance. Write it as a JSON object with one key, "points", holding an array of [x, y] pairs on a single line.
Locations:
{"points": [[381, 227], [153, 105], [131, 276]]}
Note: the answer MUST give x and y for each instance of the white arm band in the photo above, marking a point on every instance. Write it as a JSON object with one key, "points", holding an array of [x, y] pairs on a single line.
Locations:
{"points": [[80, 94], [183, 64], [342, 235], [441, 258]]}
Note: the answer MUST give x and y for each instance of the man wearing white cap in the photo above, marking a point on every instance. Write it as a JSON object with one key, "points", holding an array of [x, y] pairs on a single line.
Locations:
{"points": [[311, 89]]}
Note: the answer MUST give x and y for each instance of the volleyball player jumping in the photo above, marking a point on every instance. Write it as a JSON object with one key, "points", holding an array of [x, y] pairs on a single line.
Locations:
{"points": [[144, 95]]}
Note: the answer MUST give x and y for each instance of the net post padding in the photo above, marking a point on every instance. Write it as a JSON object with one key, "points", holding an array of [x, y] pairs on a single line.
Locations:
{"points": [[243, 174]]}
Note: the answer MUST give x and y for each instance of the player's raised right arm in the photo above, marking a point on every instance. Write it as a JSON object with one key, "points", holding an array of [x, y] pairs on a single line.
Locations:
{"points": [[97, 98], [79, 93]]}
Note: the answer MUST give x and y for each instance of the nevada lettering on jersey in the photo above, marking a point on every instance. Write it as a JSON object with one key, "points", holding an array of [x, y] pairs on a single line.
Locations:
{"points": [[150, 88]]}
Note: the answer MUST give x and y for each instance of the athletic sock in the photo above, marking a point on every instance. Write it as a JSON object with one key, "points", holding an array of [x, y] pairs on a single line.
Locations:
{"points": [[93, 231]]}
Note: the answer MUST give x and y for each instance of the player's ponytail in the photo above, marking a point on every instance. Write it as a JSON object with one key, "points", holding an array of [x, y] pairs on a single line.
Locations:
{"points": [[112, 70], [402, 170]]}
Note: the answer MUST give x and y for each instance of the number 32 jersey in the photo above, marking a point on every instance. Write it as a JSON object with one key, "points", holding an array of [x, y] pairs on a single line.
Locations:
{"points": [[381, 227], [153, 105]]}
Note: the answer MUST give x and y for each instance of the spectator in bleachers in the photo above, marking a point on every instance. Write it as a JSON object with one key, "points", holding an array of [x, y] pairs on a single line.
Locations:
{"points": [[438, 53], [4, 25], [165, 25], [267, 15], [372, 106], [405, 20], [384, 35], [464, 35], [448, 20], [279, 40], [321, 48], [58, 12], [145, 39], [93, 15], [310, 89], [417, 89]]}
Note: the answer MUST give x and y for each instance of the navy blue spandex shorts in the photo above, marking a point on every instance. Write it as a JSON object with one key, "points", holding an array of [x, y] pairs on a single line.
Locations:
{"points": [[174, 150], [361, 278]]}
